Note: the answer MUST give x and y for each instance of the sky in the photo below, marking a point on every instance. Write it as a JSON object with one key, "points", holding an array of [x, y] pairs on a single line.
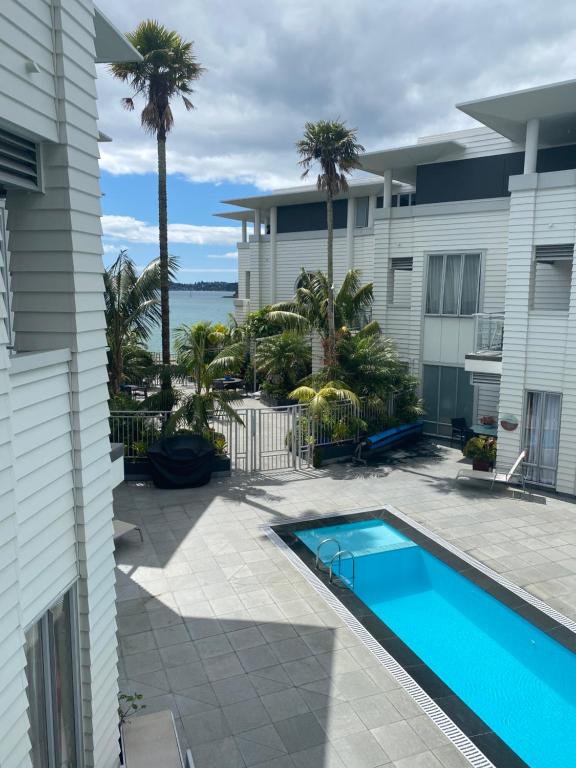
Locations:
{"points": [[392, 70]]}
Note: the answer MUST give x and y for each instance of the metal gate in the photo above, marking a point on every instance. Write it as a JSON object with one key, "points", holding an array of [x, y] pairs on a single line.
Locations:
{"points": [[268, 439]]}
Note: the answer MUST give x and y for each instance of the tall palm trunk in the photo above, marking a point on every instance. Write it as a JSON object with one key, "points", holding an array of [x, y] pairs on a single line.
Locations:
{"points": [[331, 346], [164, 276]]}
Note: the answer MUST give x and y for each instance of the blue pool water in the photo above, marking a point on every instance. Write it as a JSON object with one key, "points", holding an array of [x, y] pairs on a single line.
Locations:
{"points": [[519, 680]]}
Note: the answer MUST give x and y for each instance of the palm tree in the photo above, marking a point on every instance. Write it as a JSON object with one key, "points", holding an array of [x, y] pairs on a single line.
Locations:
{"points": [[309, 308], [322, 398], [283, 360], [199, 359], [132, 310], [334, 146], [167, 70]]}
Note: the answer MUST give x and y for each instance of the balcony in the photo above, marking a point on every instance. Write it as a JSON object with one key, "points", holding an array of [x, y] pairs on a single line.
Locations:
{"points": [[486, 357]]}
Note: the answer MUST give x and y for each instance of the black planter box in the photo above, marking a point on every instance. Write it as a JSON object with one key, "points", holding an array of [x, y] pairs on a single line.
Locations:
{"points": [[333, 453], [139, 469], [273, 401]]}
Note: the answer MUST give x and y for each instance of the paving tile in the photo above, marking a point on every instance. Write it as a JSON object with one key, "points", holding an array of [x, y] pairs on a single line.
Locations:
{"points": [[257, 658], [290, 650], [354, 685], [133, 624], [143, 641], [166, 636], [217, 645], [193, 701], [220, 667], [249, 637], [205, 726], [305, 670], [270, 679], [398, 740], [186, 676], [284, 704], [300, 732], [179, 655], [234, 689], [203, 627], [222, 753], [246, 716], [260, 745], [376, 711], [424, 760], [146, 661], [324, 755], [360, 750], [339, 719]]}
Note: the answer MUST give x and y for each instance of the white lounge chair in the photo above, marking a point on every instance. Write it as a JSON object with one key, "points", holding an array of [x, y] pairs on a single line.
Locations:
{"points": [[493, 477], [121, 528]]}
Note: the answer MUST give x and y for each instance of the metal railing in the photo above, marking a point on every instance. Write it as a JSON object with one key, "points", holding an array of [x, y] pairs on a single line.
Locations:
{"points": [[488, 333]]}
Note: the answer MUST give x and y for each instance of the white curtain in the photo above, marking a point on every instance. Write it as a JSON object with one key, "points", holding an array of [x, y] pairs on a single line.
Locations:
{"points": [[434, 284], [470, 283], [542, 435], [452, 283]]}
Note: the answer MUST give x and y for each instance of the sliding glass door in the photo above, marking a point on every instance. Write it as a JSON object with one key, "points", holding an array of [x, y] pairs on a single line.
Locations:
{"points": [[447, 394], [541, 436]]}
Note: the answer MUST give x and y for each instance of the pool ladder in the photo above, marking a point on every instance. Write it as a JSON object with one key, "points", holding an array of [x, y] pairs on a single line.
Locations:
{"points": [[337, 555]]}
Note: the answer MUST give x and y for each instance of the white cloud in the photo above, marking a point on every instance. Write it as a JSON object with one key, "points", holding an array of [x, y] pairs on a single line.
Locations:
{"points": [[273, 65], [132, 230], [230, 255]]}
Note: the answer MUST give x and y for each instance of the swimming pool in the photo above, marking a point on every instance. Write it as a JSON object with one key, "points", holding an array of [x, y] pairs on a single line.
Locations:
{"points": [[519, 680]]}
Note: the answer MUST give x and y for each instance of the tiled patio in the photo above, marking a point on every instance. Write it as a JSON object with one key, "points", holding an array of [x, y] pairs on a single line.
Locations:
{"points": [[215, 624]]}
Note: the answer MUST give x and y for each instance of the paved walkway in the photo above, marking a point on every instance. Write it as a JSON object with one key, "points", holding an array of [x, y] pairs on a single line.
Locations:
{"points": [[215, 624]]}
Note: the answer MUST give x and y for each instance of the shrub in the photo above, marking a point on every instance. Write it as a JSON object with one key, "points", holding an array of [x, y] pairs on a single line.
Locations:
{"points": [[481, 448]]}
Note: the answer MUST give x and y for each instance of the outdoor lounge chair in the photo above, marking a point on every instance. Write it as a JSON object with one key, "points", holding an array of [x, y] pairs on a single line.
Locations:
{"points": [[507, 478], [121, 528]]}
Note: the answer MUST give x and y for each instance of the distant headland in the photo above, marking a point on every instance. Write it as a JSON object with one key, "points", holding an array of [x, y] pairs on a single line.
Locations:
{"points": [[204, 285]]}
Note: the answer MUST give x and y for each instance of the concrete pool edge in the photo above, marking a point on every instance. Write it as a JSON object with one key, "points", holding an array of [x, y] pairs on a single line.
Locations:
{"points": [[482, 748]]}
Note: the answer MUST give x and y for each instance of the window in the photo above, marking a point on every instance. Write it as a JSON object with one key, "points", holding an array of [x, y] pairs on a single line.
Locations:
{"points": [[362, 207], [453, 283], [52, 679], [247, 284], [542, 436], [552, 277], [5, 304], [447, 394], [400, 281]]}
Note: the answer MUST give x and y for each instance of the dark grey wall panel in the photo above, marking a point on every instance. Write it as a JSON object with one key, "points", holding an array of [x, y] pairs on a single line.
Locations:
{"points": [[310, 217]]}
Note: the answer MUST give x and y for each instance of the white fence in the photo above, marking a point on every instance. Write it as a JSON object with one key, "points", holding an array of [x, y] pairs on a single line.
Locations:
{"points": [[265, 438]]}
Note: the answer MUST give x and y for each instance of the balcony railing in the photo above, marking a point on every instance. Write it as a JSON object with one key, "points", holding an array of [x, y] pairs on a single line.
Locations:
{"points": [[488, 334]]}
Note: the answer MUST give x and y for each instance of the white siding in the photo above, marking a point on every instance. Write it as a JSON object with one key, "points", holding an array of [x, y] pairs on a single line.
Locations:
{"points": [[478, 142], [487, 399], [57, 523]]}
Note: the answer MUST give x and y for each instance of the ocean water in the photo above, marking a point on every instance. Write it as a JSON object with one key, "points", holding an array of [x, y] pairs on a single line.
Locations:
{"points": [[189, 307], [518, 679]]}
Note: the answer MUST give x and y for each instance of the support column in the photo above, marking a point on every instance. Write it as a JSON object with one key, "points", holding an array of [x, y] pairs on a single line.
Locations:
{"points": [[350, 226], [531, 145], [273, 251], [257, 223], [387, 189], [244, 231]]}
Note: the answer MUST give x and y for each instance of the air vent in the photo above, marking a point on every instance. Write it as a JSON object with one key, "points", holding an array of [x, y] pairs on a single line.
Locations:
{"points": [[548, 254], [18, 161], [485, 379]]}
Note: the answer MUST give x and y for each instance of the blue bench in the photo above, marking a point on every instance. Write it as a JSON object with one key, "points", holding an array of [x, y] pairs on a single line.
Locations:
{"points": [[387, 439]]}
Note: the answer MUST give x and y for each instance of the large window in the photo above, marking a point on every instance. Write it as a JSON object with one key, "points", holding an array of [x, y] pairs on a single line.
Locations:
{"points": [[51, 673], [447, 394], [453, 284]]}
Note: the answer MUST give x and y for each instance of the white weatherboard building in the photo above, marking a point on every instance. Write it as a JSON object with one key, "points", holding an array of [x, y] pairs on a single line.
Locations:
{"points": [[469, 240], [58, 679]]}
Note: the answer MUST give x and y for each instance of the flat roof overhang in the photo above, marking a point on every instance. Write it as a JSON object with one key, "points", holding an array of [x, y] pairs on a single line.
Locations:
{"points": [[237, 215], [403, 161], [554, 105], [110, 43], [308, 194]]}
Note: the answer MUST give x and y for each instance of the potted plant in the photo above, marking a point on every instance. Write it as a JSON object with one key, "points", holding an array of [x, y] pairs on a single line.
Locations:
{"points": [[482, 451]]}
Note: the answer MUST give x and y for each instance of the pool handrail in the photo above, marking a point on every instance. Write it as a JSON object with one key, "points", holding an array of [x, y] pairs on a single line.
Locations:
{"points": [[339, 556], [319, 547]]}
